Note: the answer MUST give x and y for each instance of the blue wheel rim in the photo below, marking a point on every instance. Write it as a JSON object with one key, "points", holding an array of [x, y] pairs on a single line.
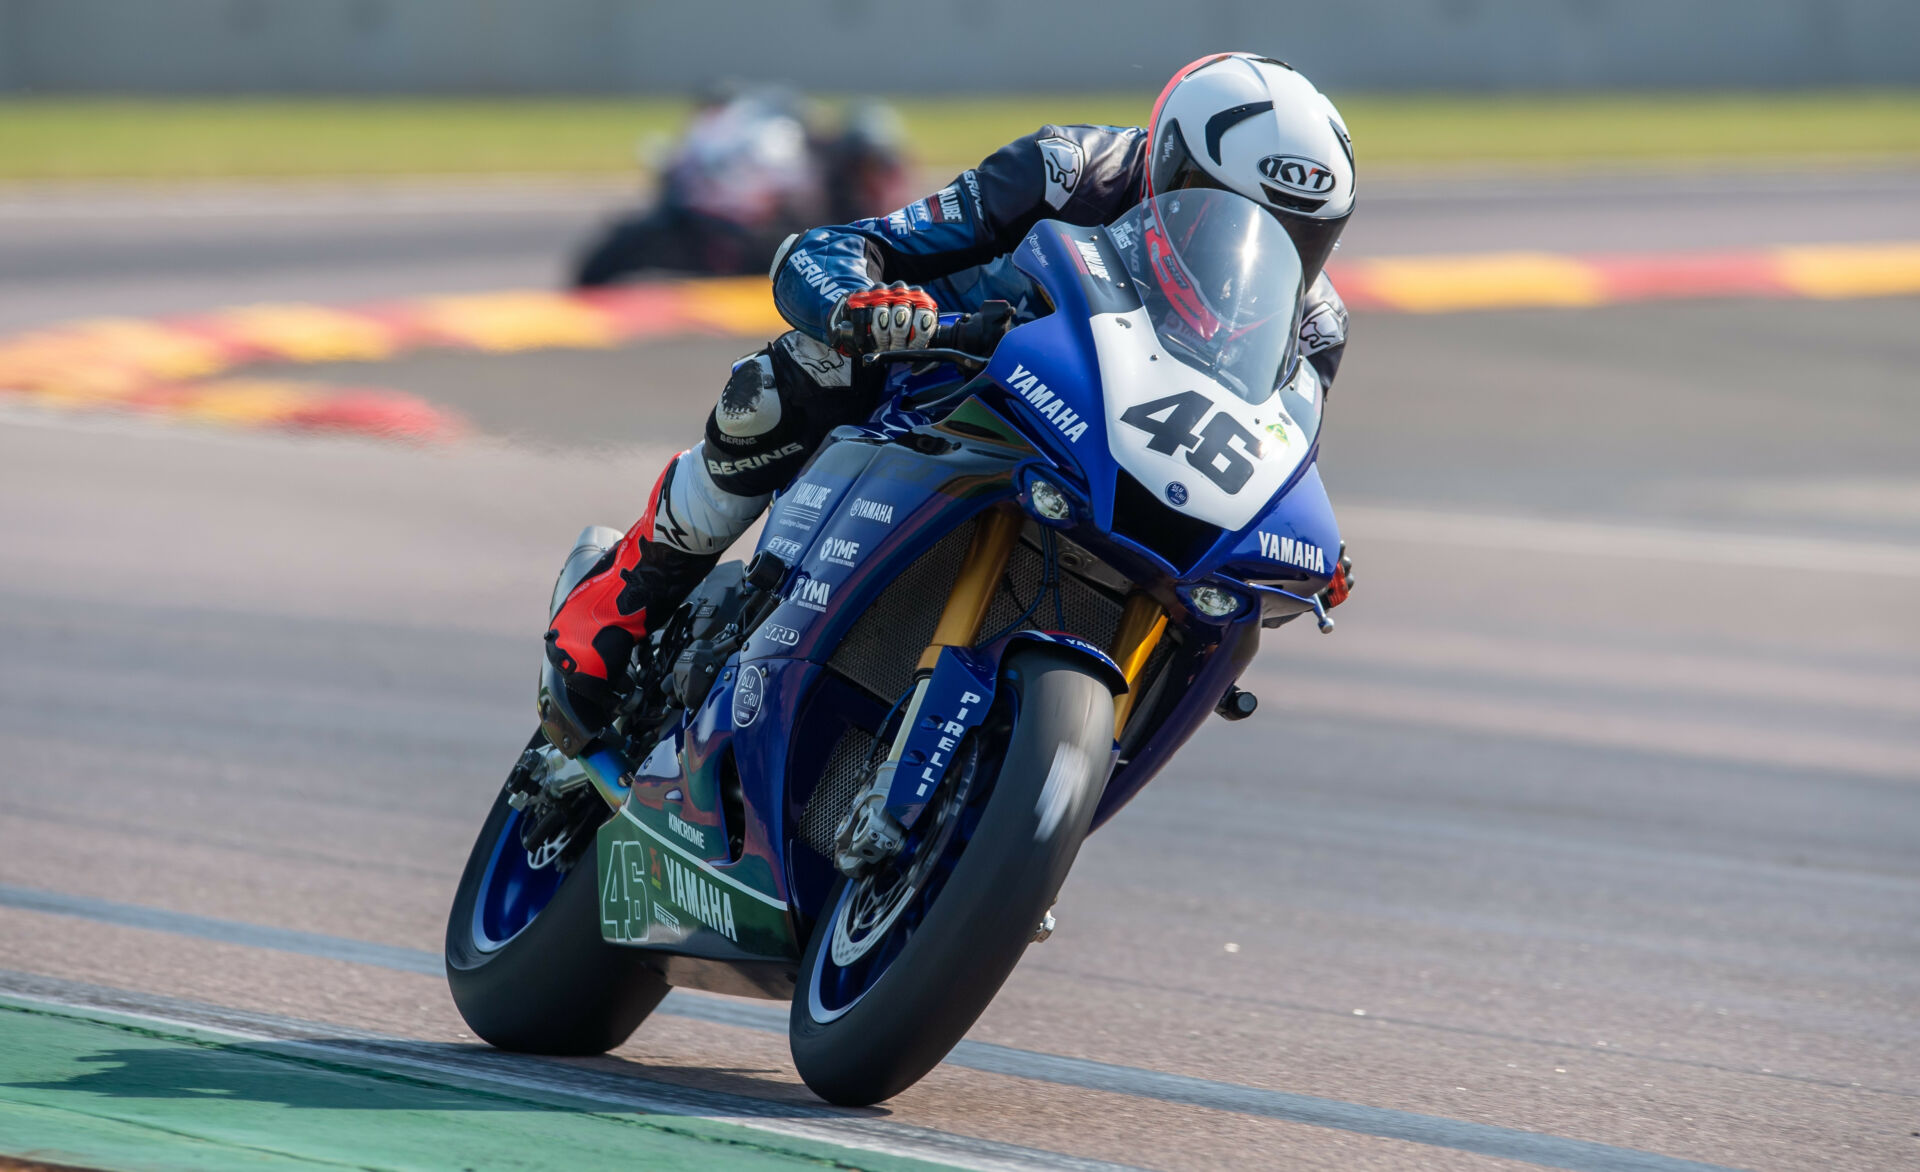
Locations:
{"points": [[512, 893], [833, 989]]}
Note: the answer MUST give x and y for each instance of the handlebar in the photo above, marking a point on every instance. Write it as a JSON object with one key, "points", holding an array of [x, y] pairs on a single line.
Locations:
{"points": [[954, 342]]}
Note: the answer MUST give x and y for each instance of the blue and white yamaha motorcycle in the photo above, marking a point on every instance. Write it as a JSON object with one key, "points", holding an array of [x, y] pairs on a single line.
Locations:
{"points": [[855, 771]]}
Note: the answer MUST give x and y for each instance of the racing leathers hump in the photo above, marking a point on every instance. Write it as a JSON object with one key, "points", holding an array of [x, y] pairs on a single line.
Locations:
{"points": [[955, 242]]}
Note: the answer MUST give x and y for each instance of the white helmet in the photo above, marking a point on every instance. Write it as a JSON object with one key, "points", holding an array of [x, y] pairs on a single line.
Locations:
{"points": [[1255, 126]]}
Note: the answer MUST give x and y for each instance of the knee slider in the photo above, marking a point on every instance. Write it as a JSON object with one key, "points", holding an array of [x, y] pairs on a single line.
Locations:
{"points": [[754, 443]]}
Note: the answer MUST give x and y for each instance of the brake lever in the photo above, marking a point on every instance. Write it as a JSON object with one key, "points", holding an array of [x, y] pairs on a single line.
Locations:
{"points": [[929, 354]]}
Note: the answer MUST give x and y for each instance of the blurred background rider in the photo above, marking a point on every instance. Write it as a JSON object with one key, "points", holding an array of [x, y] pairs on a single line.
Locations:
{"points": [[752, 168]]}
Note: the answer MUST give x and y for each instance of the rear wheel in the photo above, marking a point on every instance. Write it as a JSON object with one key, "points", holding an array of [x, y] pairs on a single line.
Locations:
{"points": [[525, 959], [903, 961]]}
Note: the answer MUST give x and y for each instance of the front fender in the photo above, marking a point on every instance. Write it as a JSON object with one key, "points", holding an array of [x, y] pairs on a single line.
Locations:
{"points": [[956, 699]]}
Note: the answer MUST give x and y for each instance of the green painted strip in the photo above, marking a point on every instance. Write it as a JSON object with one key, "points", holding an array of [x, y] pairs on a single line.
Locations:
{"points": [[88, 1088]]}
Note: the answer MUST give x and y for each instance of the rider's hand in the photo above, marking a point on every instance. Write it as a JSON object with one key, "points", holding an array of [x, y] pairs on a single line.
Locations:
{"points": [[1342, 584], [886, 317]]}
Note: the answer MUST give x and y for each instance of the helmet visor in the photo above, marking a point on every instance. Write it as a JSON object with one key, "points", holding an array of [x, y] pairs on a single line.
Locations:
{"points": [[1221, 283]]}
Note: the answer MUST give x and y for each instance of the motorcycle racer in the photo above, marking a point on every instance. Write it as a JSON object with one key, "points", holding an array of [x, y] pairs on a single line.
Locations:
{"points": [[1231, 121]]}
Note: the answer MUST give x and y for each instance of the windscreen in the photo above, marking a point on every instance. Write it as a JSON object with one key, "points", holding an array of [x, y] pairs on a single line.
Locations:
{"points": [[1221, 283]]}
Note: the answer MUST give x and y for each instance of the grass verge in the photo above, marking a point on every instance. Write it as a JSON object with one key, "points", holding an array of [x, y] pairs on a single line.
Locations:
{"points": [[79, 139]]}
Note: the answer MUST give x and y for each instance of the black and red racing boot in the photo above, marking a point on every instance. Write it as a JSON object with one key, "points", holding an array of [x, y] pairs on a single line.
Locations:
{"points": [[624, 598]]}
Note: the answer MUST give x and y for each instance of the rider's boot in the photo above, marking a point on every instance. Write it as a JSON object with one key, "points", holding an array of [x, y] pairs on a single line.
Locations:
{"points": [[689, 520]]}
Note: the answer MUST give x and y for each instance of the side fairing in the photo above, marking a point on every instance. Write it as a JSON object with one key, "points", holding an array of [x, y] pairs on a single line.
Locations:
{"points": [[1294, 544]]}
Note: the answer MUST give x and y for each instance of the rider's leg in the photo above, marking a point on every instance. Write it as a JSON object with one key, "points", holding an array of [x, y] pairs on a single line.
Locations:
{"points": [[777, 406]]}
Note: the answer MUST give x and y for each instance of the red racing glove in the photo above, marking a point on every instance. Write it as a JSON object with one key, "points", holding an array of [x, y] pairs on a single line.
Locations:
{"points": [[1342, 584], [886, 317]]}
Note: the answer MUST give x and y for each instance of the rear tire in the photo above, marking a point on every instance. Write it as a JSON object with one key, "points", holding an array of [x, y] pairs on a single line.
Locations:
{"points": [[554, 986], [980, 920]]}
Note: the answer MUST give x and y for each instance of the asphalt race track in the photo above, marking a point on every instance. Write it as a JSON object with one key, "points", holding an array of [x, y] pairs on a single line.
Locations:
{"points": [[1588, 840]]}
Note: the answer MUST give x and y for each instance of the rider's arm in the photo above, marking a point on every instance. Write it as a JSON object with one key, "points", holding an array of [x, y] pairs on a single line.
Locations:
{"points": [[1323, 329], [1080, 174]]}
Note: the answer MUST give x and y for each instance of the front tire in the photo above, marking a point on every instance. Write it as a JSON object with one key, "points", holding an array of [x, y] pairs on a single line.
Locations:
{"points": [[858, 1038], [526, 963]]}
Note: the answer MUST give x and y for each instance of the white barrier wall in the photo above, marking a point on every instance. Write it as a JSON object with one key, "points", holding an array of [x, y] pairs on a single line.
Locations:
{"points": [[620, 46]]}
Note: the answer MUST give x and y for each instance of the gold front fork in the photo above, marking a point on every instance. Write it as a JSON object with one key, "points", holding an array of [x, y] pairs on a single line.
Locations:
{"points": [[972, 591], [1141, 625], [960, 621]]}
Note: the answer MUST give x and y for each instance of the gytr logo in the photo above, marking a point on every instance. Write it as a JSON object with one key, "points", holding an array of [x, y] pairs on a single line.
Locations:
{"points": [[868, 510], [839, 551], [1029, 387], [1297, 174], [811, 593], [1295, 553]]}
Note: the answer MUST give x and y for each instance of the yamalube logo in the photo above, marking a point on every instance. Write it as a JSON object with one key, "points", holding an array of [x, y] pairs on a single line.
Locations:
{"points": [[748, 692], [1303, 554], [1296, 174], [1090, 254]]}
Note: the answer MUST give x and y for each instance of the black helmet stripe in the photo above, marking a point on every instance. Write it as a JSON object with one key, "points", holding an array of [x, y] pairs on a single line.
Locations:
{"points": [[1229, 118]]}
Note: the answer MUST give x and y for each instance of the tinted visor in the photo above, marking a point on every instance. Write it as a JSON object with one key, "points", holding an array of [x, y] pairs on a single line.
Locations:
{"points": [[1175, 169]]}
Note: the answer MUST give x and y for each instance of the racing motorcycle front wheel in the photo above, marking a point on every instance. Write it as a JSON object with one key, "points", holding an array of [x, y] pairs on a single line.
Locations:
{"points": [[904, 960], [526, 963]]}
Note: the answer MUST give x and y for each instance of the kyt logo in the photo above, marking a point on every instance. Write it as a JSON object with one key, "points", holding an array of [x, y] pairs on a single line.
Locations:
{"points": [[1297, 174]]}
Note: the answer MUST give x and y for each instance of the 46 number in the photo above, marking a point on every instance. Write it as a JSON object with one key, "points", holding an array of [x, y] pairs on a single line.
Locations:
{"points": [[1223, 451]]}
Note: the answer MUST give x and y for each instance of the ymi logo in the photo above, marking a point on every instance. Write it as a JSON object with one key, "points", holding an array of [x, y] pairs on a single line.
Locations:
{"points": [[811, 593]]}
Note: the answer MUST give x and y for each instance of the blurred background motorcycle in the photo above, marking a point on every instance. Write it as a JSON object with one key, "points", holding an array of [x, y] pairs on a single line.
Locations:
{"points": [[752, 167]]}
